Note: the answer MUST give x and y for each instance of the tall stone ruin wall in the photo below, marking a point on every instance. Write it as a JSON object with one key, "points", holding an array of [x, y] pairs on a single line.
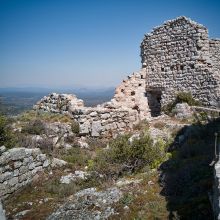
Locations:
{"points": [[214, 49], [131, 93], [178, 56]]}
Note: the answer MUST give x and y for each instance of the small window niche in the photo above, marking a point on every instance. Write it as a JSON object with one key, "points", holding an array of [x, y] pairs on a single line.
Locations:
{"points": [[133, 93]]}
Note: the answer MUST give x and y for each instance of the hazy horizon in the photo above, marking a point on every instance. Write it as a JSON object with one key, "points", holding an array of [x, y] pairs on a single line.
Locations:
{"points": [[76, 44]]}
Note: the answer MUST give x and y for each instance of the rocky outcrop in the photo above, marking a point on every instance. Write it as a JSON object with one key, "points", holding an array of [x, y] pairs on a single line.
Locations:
{"points": [[182, 111], [89, 204], [19, 166]]}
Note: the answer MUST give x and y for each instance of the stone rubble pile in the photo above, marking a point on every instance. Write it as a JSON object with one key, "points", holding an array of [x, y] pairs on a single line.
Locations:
{"points": [[59, 103], [19, 166]]}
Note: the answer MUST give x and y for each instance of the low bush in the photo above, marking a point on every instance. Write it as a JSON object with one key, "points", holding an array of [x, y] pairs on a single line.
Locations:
{"points": [[125, 156], [34, 127], [6, 136], [142, 125], [75, 127], [76, 156], [181, 97]]}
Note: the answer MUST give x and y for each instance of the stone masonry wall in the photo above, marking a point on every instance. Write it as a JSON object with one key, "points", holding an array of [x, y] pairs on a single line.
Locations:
{"points": [[18, 167], [59, 103], [104, 121], [177, 57], [131, 93], [214, 49]]}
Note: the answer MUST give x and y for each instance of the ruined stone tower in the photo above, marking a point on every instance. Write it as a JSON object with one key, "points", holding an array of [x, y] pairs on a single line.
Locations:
{"points": [[179, 56], [176, 57]]}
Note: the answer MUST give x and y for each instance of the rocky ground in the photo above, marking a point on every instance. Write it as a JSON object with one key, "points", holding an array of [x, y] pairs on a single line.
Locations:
{"points": [[90, 184]]}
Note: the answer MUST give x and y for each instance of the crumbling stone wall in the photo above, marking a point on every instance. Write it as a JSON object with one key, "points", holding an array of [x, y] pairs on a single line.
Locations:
{"points": [[18, 167], [177, 57], [214, 49], [131, 93], [105, 121], [59, 103]]}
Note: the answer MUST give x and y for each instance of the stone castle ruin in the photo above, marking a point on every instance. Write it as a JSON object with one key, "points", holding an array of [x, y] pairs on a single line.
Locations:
{"points": [[179, 56], [176, 57]]}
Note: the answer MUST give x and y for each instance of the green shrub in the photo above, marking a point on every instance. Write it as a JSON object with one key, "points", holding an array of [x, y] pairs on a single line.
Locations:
{"points": [[142, 125], [75, 127], [76, 156], [181, 97], [125, 156], [6, 136], [127, 199], [34, 127], [186, 97]]}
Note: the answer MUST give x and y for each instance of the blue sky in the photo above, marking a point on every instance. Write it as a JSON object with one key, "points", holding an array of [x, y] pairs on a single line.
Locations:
{"points": [[67, 43]]}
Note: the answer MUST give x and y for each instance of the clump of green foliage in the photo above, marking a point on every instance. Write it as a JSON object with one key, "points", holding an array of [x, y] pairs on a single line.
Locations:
{"points": [[181, 97], [124, 155], [75, 127], [76, 156], [6, 136], [34, 127], [142, 125]]}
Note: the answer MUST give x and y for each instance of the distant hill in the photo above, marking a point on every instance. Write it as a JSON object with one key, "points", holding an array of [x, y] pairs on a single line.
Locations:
{"points": [[16, 100]]}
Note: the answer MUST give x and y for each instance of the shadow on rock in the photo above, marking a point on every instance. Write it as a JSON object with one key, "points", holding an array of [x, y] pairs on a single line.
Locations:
{"points": [[187, 177]]}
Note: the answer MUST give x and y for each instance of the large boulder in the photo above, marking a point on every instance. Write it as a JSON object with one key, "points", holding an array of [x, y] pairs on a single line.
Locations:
{"points": [[182, 111]]}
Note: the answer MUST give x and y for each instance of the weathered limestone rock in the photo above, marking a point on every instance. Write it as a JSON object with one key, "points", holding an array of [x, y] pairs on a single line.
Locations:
{"points": [[2, 212], [80, 206], [96, 128], [183, 111], [74, 177]]}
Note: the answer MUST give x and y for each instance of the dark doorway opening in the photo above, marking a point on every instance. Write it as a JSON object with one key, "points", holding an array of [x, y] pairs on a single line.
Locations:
{"points": [[154, 102]]}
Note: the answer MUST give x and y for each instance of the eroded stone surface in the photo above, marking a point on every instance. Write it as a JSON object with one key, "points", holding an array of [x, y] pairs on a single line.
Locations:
{"points": [[89, 204], [178, 56]]}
